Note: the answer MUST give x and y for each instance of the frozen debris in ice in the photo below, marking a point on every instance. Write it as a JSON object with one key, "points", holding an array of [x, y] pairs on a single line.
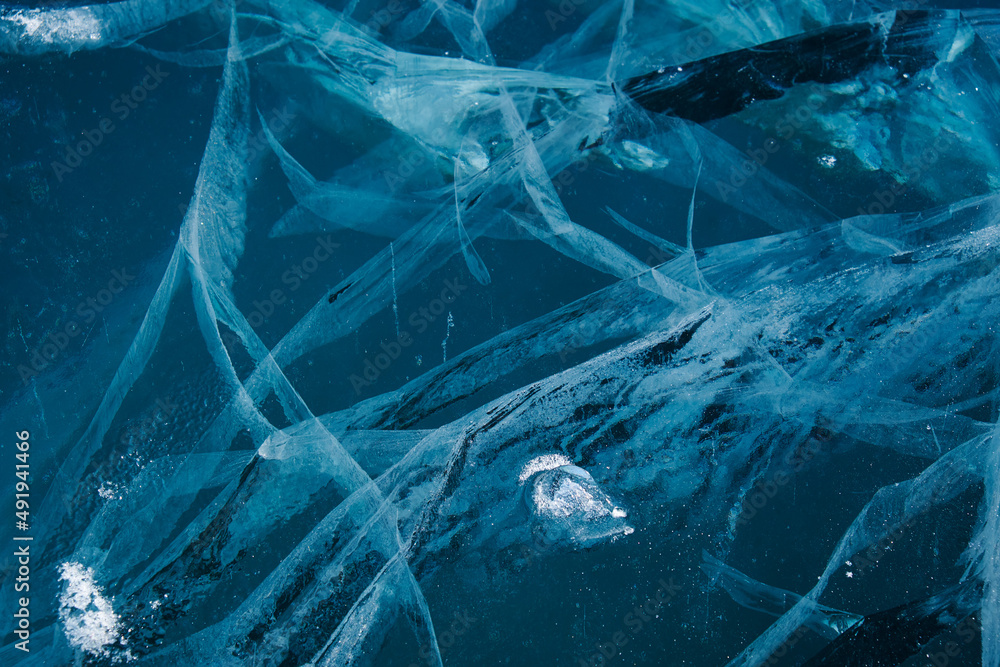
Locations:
{"points": [[570, 507], [605, 365], [891, 636], [765, 72], [89, 621], [824, 621], [68, 29], [538, 464]]}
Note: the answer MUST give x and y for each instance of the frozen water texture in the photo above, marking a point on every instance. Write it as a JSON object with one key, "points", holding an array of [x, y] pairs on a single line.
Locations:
{"points": [[710, 283], [88, 618]]}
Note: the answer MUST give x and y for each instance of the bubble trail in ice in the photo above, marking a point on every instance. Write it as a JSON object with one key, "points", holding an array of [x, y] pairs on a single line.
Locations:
{"points": [[395, 307], [41, 408], [447, 333]]}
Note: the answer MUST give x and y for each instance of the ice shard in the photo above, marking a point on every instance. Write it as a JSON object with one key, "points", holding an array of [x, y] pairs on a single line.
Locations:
{"points": [[42, 30], [470, 333]]}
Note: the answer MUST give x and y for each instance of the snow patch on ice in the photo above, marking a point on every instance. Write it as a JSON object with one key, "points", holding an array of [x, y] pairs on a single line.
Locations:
{"points": [[88, 619], [568, 499], [540, 463]]}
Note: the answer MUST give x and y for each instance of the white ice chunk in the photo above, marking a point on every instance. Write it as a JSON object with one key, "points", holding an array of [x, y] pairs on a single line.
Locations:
{"points": [[571, 507], [88, 619], [540, 463], [69, 29]]}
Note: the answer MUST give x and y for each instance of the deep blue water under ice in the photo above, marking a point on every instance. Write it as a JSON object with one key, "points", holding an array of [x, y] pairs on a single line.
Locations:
{"points": [[500, 332]]}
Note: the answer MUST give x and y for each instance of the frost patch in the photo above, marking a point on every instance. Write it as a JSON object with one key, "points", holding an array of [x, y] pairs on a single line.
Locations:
{"points": [[88, 618], [31, 24], [540, 463]]}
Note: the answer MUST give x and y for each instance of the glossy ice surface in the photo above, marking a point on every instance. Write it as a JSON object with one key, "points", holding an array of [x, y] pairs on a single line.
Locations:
{"points": [[500, 332]]}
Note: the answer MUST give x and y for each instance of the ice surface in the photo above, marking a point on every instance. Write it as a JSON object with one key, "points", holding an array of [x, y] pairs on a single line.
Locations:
{"points": [[481, 316], [829, 623], [89, 620], [35, 31], [569, 506]]}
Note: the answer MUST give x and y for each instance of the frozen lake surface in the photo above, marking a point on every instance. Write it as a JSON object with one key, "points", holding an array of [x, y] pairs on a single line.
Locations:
{"points": [[500, 332]]}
